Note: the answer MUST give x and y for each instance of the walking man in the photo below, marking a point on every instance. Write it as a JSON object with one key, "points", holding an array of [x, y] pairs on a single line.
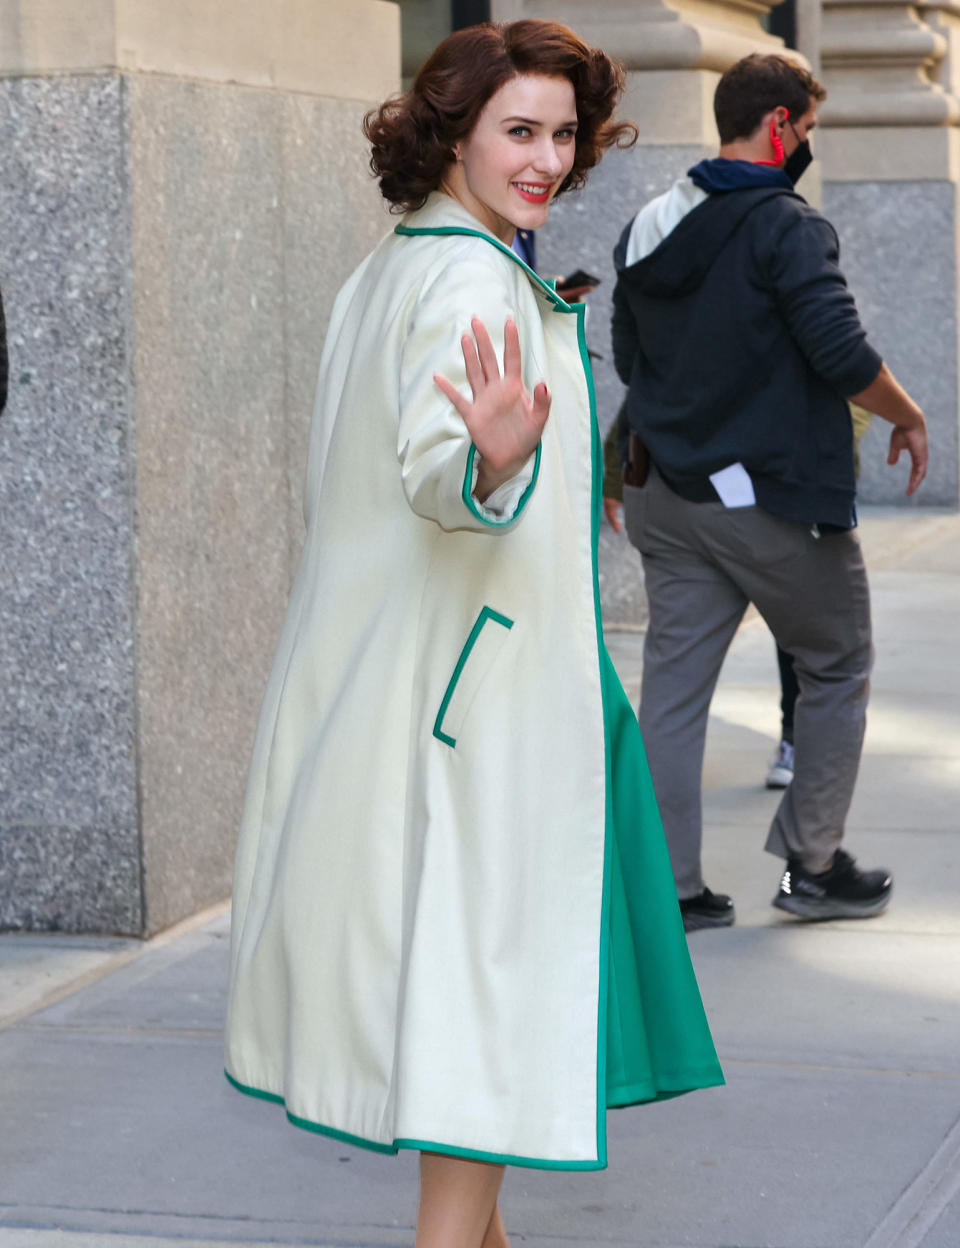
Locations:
{"points": [[740, 342]]}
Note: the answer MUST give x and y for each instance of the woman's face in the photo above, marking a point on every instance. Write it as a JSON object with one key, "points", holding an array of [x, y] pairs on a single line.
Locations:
{"points": [[516, 157]]}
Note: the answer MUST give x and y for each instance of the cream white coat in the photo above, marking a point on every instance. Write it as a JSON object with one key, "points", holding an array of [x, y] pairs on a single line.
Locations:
{"points": [[417, 950]]}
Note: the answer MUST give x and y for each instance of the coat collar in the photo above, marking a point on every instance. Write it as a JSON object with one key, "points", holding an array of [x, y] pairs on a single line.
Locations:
{"points": [[442, 214]]}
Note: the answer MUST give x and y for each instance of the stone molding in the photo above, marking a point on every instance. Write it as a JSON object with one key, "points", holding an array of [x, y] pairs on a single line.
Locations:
{"points": [[944, 20], [890, 154], [345, 49], [660, 34], [880, 61]]}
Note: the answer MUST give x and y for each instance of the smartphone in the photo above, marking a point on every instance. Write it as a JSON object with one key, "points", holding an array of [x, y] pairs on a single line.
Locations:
{"points": [[578, 278]]}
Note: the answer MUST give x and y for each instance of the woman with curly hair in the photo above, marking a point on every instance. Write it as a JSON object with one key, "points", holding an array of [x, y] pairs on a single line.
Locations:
{"points": [[455, 926]]}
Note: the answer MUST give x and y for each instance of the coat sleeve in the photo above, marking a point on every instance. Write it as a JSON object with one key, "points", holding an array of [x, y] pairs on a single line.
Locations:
{"points": [[4, 365], [819, 309], [438, 462]]}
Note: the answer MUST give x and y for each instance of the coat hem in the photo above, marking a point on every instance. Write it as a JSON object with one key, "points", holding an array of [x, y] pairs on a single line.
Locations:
{"points": [[622, 1096], [424, 1146]]}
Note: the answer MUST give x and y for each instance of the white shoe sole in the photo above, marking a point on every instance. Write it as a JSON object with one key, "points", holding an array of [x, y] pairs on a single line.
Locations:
{"points": [[832, 907]]}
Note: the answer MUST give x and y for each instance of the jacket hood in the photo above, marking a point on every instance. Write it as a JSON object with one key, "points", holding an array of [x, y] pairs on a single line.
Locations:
{"points": [[680, 262], [718, 175]]}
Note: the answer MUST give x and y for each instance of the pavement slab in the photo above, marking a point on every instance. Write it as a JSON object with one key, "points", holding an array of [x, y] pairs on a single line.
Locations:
{"points": [[839, 1126]]}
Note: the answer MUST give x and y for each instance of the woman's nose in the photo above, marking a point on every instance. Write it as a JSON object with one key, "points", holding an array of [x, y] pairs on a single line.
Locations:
{"points": [[547, 159]]}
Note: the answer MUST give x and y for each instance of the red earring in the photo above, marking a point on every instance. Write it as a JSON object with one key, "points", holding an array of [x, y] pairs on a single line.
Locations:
{"points": [[779, 153]]}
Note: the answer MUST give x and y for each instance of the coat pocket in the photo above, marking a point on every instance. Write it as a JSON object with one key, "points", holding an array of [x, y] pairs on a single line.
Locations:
{"points": [[487, 638]]}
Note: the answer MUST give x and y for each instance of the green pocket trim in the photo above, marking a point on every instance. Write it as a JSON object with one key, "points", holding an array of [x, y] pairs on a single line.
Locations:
{"points": [[486, 614], [471, 502]]}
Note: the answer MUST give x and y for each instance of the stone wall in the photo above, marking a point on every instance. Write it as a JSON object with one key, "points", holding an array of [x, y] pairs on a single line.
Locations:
{"points": [[176, 216], [890, 145]]}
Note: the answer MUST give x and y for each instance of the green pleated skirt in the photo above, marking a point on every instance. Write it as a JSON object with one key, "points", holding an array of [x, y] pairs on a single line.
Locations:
{"points": [[658, 1043]]}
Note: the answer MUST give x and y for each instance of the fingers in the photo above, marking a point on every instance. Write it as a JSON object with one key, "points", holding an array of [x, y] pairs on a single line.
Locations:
{"points": [[918, 470], [480, 355], [488, 357], [472, 363], [462, 405], [611, 509], [917, 448], [541, 404], [511, 349]]}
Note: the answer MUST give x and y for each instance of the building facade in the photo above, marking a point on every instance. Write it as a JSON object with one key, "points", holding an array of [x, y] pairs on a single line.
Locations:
{"points": [[183, 188]]}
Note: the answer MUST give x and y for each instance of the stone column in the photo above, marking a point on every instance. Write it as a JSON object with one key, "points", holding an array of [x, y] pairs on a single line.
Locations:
{"points": [[183, 188], [809, 23], [891, 160], [674, 52]]}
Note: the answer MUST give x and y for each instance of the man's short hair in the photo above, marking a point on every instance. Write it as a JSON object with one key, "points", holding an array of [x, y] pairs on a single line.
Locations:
{"points": [[756, 86]]}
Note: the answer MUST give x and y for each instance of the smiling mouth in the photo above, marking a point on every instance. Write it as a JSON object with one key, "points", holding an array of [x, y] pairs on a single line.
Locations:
{"points": [[533, 192]]}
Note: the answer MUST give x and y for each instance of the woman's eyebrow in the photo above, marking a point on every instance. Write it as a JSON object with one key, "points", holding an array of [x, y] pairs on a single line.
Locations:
{"points": [[529, 121]]}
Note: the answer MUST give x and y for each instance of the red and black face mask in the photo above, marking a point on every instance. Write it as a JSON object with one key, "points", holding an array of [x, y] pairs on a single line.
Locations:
{"points": [[799, 160]]}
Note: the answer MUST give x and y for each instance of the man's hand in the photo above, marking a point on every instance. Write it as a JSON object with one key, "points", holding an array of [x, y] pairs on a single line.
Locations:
{"points": [[913, 440], [572, 294], [611, 509], [504, 420], [888, 399]]}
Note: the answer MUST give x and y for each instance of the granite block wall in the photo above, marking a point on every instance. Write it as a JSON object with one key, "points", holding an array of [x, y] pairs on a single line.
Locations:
{"points": [[249, 209], [169, 253], [69, 836], [898, 249]]}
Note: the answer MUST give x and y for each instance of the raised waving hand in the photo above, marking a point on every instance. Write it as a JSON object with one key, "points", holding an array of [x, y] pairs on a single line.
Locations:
{"points": [[505, 421]]}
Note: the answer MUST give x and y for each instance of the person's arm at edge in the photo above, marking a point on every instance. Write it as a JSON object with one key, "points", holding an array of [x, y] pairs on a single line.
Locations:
{"points": [[822, 316], [886, 398], [614, 458]]}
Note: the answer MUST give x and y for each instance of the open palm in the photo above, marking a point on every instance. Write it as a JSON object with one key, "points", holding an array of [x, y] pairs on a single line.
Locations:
{"points": [[505, 421]]}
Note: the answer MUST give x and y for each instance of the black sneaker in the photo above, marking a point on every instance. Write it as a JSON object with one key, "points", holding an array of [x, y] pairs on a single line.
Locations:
{"points": [[843, 892], [707, 909]]}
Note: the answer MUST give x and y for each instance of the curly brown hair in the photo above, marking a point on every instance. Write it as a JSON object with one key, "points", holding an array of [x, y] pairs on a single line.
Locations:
{"points": [[413, 135]]}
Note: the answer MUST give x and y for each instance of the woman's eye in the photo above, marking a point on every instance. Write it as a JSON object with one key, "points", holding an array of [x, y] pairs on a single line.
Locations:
{"points": [[565, 134], [519, 130]]}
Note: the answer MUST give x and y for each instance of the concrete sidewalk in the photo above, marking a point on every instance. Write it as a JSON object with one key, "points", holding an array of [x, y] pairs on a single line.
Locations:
{"points": [[840, 1124]]}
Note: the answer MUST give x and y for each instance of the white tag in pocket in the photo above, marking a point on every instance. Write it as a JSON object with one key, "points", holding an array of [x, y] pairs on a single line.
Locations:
{"points": [[734, 486]]}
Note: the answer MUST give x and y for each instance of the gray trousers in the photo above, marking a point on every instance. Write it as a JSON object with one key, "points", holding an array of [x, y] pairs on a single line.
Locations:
{"points": [[703, 564]]}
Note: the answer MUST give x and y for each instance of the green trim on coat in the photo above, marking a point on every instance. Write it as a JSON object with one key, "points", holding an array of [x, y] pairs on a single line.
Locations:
{"points": [[596, 496], [578, 309], [487, 613], [535, 277], [424, 1146], [471, 502]]}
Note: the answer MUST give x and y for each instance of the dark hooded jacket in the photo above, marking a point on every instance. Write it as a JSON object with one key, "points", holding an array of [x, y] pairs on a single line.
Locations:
{"points": [[740, 342]]}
